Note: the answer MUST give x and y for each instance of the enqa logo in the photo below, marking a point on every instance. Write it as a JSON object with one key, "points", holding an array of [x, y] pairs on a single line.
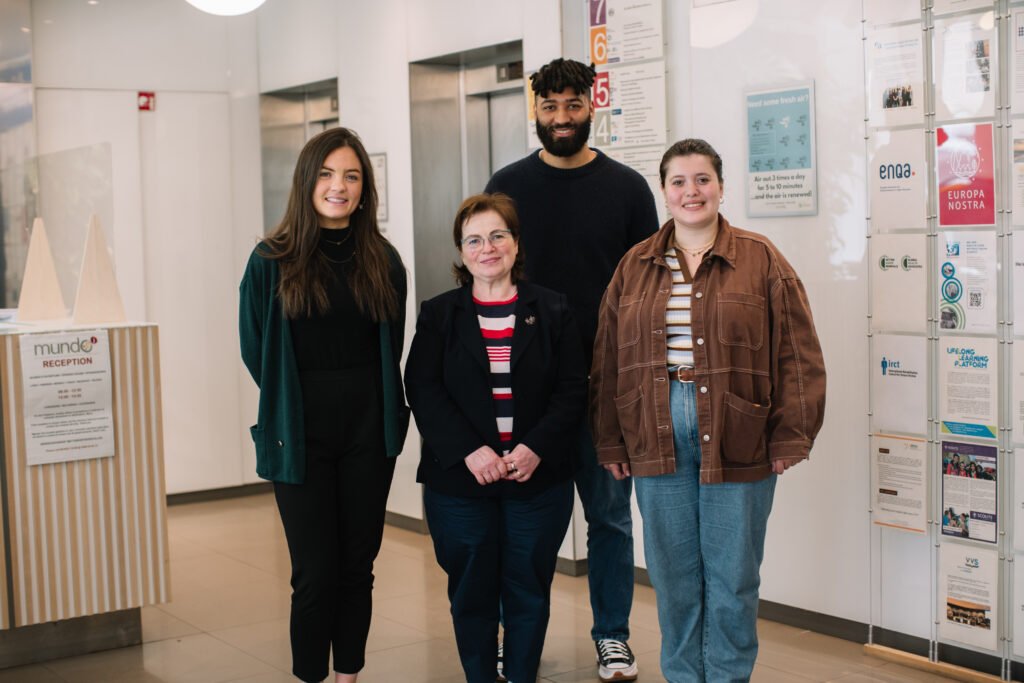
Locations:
{"points": [[895, 171], [81, 345]]}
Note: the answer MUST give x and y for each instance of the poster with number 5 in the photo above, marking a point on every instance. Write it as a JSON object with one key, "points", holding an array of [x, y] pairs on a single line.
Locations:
{"points": [[629, 105]]}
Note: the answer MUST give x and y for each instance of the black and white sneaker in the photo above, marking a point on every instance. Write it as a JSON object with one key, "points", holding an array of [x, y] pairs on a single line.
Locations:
{"points": [[501, 663], [615, 661]]}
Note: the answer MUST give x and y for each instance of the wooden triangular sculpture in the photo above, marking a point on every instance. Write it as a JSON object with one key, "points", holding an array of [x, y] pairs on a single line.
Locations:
{"points": [[98, 301], [40, 297]]}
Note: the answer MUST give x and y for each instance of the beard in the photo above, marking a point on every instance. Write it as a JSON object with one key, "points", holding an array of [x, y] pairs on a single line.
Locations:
{"points": [[564, 147]]}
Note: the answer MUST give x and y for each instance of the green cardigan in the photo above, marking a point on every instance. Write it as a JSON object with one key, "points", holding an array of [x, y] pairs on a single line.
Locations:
{"points": [[268, 354]]}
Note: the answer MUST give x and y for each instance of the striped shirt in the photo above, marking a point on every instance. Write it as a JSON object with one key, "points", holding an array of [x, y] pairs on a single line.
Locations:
{"points": [[497, 322], [677, 314]]}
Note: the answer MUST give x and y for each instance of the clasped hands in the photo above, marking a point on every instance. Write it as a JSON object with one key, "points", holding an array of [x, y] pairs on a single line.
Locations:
{"points": [[489, 467]]}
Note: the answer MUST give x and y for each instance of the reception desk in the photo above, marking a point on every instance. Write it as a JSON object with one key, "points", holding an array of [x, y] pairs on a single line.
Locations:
{"points": [[85, 537]]}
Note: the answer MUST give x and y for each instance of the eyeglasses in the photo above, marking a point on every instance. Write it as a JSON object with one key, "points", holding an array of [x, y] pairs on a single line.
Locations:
{"points": [[475, 243]]}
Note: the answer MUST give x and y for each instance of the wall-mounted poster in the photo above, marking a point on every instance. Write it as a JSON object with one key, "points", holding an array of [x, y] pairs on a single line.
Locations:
{"points": [[969, 498], [898, 180], [1017, 400], [624, 30], [968, 386], [629, 105], [1018, 511], [899, 482], [67, 396], [968, 267], [895, 75], [966, 174], [646, 161], [1017, 171], [1018, 605], [1017, 61], [899, 384], [964, 60], [1017, 273], [782, 171], [899, 283], [380, 179], [969, 581]]}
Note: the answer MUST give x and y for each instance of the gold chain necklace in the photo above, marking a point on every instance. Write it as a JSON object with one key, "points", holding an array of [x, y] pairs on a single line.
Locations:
{"points": [[337, 243], [699, 250]]}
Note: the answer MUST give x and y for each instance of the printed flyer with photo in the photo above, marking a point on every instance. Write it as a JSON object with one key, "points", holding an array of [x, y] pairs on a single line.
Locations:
{"points": [[967, 281], [964, 66], [969, 580], [895, 75], [969, 499]]}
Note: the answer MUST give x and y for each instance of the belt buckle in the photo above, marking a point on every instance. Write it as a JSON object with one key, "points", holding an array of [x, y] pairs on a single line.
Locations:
{"points": [[683, 374]]}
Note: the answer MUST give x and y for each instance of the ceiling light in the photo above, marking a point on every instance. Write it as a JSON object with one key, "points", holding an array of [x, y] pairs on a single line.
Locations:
{"points": [[226, 8]]}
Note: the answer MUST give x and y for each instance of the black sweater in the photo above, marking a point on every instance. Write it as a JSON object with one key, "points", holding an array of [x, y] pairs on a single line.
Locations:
{"points": [[576, 225]]}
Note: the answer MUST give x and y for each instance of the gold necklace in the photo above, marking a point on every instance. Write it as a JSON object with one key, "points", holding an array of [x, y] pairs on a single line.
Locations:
{"points": [[337, 243], [699, 250]]}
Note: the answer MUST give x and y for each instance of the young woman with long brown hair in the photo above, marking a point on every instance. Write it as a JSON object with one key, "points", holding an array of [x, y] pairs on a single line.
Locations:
{"points": [[321, 321]]}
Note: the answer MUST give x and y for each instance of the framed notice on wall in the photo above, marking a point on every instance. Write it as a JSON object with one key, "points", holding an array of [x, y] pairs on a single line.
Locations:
{"points": [[782, 171]]}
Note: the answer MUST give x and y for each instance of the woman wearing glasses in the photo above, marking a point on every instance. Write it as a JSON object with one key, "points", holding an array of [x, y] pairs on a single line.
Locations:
{"points": [[495, 382]]}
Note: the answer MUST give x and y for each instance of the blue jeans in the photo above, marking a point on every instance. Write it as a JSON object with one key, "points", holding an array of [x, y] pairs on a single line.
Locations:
{"points": [[499, 550], [606, 508], [704, 545]]}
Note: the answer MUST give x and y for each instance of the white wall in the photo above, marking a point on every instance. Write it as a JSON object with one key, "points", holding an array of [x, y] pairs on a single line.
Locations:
{"points": [[186, 196], [818, 537]]}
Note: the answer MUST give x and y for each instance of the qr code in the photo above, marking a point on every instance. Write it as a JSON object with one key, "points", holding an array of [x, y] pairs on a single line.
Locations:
{"points": [[976, 298]]}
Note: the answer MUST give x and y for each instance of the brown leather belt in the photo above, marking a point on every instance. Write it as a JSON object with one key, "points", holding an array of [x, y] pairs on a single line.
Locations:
{"points": [[682, 374]]}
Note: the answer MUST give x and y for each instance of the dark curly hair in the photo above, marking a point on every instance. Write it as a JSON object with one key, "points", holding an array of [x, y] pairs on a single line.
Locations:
{"points": [[559, 74]]}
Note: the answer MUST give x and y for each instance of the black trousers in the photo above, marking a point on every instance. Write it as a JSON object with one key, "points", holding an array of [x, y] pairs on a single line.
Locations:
{"points": [[334, 521]]}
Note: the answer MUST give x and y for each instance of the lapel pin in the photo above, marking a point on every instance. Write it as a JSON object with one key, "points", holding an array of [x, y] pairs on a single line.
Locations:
{"points": [[530, 320]]}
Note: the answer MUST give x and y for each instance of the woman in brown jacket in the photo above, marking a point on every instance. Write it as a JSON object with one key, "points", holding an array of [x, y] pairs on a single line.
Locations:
{"points": [[708, 381]]}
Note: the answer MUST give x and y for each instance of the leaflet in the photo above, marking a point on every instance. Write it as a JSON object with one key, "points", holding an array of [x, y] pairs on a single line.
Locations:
{"points": [[968, 386], [969, 498], [969, 581], [899, 482]]}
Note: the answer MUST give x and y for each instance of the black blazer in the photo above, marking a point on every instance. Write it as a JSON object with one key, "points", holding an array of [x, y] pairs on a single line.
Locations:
{"points": [[447, 380]]}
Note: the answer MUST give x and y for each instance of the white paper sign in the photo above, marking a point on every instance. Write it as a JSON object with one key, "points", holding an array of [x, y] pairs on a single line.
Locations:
{"points": [[964, 58], [1018, 606], [1017, 400], [1017, 275], [969, 592], [1018, 517], [629, 105], [967, 281], [968, 386], [895, 76], [1017, 67], [67, 396], [899, 482], [899, 384], [646, 161], [899, 283], [899, 180], [1017, 169]]}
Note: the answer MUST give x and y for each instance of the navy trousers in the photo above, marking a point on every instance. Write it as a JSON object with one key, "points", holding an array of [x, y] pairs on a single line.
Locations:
{"points": [[499, 551]]}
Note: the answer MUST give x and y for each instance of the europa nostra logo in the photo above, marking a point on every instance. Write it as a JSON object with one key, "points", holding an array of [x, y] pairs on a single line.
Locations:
{"points": [[80, 345]]}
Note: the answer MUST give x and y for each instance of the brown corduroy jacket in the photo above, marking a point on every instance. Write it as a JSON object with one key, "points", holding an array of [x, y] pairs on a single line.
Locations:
{"points": [[759, 372]]}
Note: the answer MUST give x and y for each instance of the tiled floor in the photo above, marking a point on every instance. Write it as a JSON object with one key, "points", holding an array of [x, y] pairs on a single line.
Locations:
{"points": [[228, 620]]}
